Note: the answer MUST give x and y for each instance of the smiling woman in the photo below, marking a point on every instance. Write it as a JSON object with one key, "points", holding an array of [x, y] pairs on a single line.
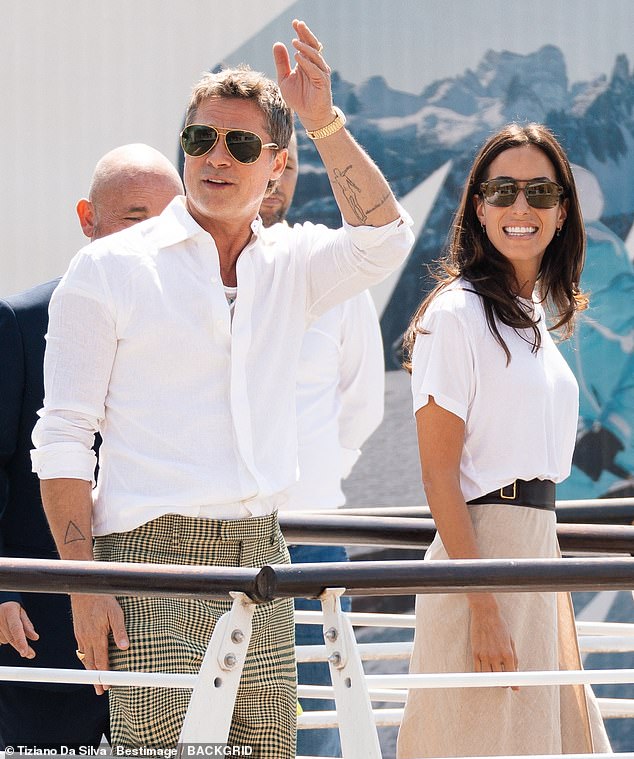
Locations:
{"points": [[491, 241], [520, 212], [496, 412]]}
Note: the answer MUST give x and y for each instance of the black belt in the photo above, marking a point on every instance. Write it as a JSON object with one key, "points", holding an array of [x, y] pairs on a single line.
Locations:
{"points": [[539, 494]]}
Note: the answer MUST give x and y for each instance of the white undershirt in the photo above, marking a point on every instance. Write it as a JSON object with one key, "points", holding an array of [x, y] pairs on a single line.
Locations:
{"points": [[231, 293]]}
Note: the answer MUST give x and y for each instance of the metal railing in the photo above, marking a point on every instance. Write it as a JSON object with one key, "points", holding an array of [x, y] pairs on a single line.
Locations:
{"points": [[414, 532], [589, 511], [214, 688]]}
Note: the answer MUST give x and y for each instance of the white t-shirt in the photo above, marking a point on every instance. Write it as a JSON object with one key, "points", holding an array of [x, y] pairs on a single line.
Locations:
{"points": [[520, 419]]}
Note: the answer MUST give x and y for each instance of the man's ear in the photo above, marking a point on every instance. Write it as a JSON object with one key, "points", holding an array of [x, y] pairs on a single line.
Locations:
{"points": [[86, 214], [279, 163]]}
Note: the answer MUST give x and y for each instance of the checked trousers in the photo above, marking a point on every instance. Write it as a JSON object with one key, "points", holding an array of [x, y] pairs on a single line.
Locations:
{"points": [[172, 634]]}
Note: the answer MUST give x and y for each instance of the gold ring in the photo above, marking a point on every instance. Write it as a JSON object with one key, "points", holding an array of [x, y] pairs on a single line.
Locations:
{"points": [[320, 48], [80, 655]]}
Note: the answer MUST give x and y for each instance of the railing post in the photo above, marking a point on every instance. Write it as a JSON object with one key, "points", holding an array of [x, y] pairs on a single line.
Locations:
{"points": [[359, 737], [219, 677]]}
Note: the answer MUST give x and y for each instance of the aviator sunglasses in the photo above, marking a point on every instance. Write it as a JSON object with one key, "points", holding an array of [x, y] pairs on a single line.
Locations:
{"points": [[502, 192], [246, 147]]}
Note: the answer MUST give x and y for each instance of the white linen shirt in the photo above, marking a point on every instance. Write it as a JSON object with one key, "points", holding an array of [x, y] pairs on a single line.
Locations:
{"points": [[196, 410], [340, 398], [521, 419]]}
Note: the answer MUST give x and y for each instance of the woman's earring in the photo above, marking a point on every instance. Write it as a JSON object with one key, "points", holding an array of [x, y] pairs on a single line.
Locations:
{"points": [[484, 229], [558, 231]]}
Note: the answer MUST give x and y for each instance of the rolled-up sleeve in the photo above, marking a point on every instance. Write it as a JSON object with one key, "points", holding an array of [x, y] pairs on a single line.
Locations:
{"points": [[80, 348], [351, 259]]}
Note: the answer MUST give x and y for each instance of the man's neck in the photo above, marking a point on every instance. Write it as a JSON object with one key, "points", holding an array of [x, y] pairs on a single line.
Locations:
{"points": [[230, 239], [229, 246]]}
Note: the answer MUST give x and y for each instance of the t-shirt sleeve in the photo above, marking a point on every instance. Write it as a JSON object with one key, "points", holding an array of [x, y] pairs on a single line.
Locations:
{"points": [[442, 364]]}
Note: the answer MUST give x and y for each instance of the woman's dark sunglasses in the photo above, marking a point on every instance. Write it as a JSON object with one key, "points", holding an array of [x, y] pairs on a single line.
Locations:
{"points": [[246, 147], [503, 191]]}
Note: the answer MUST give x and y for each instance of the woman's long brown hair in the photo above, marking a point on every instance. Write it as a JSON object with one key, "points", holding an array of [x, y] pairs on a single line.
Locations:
{"points": [[472, 256]]}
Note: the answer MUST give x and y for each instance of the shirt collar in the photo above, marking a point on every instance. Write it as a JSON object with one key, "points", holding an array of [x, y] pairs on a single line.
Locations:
{"points": [[176, 224]]}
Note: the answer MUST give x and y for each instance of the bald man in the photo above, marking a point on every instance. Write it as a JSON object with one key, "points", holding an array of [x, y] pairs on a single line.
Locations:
{"points": [[130, 184]]}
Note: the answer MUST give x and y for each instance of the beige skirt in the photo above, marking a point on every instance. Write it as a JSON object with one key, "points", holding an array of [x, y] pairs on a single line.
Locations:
{"points": [[498, 721]]}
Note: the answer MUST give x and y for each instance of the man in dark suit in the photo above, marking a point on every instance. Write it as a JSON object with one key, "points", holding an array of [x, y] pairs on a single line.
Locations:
{"points": [[130, 184]]}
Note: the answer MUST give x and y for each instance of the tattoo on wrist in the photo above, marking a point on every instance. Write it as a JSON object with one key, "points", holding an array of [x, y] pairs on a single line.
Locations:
{"points": [[73, 534], [350, 191]]}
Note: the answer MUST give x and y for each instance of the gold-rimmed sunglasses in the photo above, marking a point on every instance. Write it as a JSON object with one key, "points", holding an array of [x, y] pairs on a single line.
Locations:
{"points": [[246, 147]]}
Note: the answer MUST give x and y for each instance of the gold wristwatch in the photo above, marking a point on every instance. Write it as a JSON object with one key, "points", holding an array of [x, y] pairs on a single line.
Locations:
{"points": [[335, 125]]}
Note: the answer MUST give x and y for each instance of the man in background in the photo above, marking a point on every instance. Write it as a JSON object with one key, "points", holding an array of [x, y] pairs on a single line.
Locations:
{"points": [[340, 395], [129, 184]]}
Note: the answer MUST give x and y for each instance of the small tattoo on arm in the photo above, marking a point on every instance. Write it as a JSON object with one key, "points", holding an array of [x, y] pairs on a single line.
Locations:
{"points": [[73, 534], [350, 190], [383, 200]]}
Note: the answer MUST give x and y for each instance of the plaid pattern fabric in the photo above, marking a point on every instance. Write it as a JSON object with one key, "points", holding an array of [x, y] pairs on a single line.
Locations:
{"points": [[171, 635]]}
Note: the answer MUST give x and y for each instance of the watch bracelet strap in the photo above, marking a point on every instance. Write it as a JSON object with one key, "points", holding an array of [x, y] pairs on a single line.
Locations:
{"points": [[335, 125]]}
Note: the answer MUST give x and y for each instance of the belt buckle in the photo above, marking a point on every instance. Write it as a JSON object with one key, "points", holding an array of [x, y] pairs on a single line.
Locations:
{"points": [[506, 487]]}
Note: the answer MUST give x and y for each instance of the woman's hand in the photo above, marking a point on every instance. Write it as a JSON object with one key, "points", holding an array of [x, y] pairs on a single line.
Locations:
{"points": [[441, 440], [491, 642]]}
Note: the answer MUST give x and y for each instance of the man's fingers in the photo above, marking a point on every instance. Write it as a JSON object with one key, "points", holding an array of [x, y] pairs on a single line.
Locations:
{"points": [[91, 662], [98, 659], [310, 54], [17, 638], [306, 35], [282, 61], [95, 618], [27, 625], [116, 621]]}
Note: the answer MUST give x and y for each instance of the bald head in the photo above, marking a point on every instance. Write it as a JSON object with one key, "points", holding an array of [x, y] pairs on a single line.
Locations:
{"points": [[130, 184]]}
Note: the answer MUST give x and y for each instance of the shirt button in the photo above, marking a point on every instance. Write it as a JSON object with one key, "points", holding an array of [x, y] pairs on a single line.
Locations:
{"points": [[214, 280]]}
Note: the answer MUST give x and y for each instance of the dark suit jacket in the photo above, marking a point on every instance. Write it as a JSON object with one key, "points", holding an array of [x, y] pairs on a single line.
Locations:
{"points": [[24, 531]]}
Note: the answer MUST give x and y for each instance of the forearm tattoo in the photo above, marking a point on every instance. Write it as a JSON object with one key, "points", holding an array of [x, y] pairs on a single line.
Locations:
{"points": [[383, 200], [73, 534], [350, 191]]}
